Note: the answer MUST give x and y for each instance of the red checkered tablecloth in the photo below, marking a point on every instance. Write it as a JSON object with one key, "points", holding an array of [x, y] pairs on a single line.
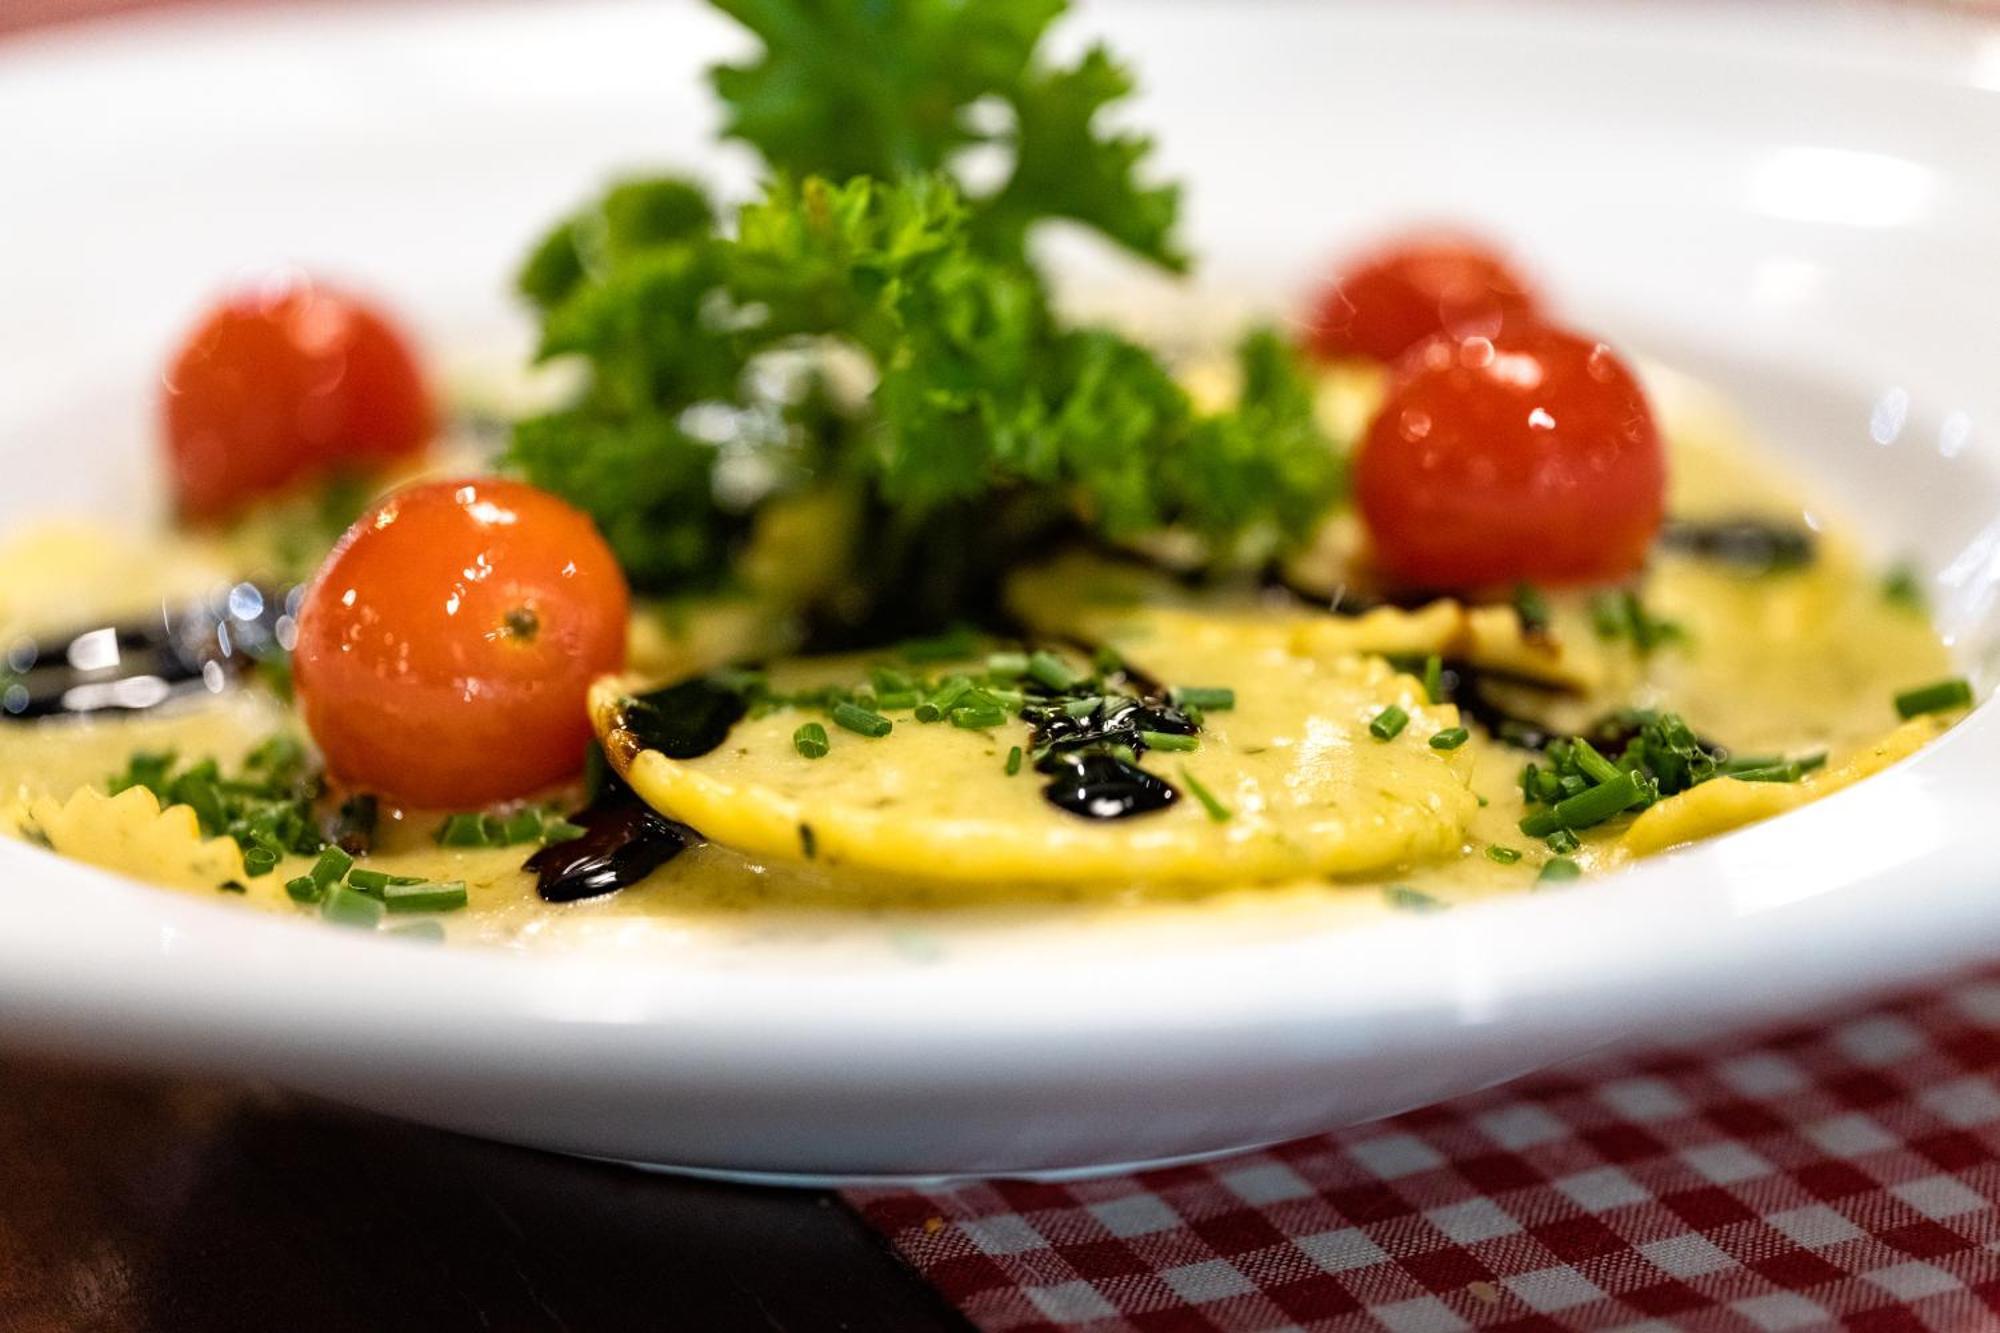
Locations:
{"points": [[1843, 1176]]}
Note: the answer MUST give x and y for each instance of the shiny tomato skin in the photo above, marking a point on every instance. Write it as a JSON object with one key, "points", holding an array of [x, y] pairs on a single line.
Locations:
{"points": [[1382, 304], [445, 648], [1532, 456], [284, 382]]}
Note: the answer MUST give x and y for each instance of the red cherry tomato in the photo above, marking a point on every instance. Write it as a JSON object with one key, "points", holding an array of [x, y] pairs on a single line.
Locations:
{"points": [[1385, 303], [285, 382], [446, 646], [1529, 456]]}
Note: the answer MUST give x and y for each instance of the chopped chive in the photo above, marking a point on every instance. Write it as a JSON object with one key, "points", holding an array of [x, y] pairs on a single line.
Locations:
{"points": [[1214, 698], [1434, 678], [376, 882], [1591, 806], [1167, 740], [1569, 784], [1051, 670], [938, 705], [1007, 666], [1389, 723], [1941, 697], [1902, 587], [1532, 608], [1813, 762], [447, 896], [953, 643], [1562, 842], [463, 831], [1595, 766], [888, 680], [330, 869], [860, 720], [1557, 870], [346, 907], [1743, 763], [1406, 899], [1506, 856], [1217, 811], [259, 861], [897, 699], [975, 717], [524, 825], [428, 931], [1013, 761], [561, 830], [1082, 708], [1769, 773], [1011, 700], [811, 741], [1107, 661], [1450, 738], [305, 889]]}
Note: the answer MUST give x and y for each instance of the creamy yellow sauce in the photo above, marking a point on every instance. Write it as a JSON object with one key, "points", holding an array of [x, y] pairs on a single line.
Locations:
{"points": [[1326, 824]]}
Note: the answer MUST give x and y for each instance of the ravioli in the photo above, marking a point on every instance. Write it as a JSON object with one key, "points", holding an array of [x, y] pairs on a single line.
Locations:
{"points": [[1306, 787]]}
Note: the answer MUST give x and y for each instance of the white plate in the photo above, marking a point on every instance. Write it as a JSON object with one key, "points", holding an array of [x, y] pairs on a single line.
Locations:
{"points": [[1798, 203]]}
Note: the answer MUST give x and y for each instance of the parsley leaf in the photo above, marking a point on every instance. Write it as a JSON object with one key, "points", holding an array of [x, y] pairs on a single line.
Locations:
{"points": [[898, 89]]}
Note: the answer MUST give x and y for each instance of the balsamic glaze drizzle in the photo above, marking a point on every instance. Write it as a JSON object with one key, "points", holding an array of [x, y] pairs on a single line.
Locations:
{"points": [[624, 840], [684, 720], [1085, 777]]}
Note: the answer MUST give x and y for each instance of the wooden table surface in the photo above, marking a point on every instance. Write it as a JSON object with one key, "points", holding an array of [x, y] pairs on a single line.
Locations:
{"points": [[134, 1202]]}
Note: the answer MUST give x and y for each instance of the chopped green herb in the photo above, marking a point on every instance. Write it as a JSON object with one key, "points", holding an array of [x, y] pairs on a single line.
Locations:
{"points": [[447, 896], [1591, 806], [267, 807], [1389, 723], [1559, 869], [1434, 678], [463, 830], [1942, 696], [1007, 666], [1450, 738], [523, 826], [1532, 608], [1621, 615], [1562, 842], [978, 717], [377, 882], [888, 680], [331, 868], [1170, 741], [897, 700], [561, 830], [811, 741], [1106, 660], [1084, 707], [232, 886], [1212, 698], [1780, 772], [860, 720], [1506, 856], [1051, 671], [1903, 588], [1406, 899], [950, 646], [305, 889], [1217, 811], [938, 705], [347, 907], [1013, 761]]}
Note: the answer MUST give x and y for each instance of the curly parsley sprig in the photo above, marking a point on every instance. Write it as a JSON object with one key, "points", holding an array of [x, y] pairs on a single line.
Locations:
{"points": [[717, 349]]}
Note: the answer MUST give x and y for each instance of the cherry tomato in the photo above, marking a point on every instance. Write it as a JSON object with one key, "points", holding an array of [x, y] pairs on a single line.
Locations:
{"points": [[446, 646], [1385, 303], [285, 382], [1528, 456]]}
